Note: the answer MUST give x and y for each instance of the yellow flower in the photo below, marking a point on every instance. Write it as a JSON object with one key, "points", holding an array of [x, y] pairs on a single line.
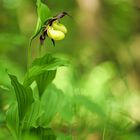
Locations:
{"points": [[58, 26], [53, 29], [55, 34]]}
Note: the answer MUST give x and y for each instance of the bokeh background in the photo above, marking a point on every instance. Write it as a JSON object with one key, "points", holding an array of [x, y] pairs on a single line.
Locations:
{"points": [[103, 47]]}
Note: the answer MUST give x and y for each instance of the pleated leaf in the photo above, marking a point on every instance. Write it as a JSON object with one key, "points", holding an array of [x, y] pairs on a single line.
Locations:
{"points": [[32, 115], [44, 79], [41, 65], [12, 119], [24, 96]]}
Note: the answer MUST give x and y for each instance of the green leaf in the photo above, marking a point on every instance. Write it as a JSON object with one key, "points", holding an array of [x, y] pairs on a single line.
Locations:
{"points": [[43, 133], [44, 79], [49, 60], [32, 115], [24, 96], [43, 15], [89, 104], [41, 65], [12, 119], [37, 30], [52, 100], [43, 11]]}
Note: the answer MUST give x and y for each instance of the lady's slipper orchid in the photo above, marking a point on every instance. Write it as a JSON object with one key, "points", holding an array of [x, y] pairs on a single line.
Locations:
{"points": [[55, 34], [58, 26], [54, 29]]}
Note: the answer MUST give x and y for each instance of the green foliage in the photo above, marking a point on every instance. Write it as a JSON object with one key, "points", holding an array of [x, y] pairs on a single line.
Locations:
{"points": [[93, 104], [43, 71], [64, 137], [32, 115], [24, 96], [43, 11], [43, 133], [12, 118], [44, 79], [52, 101], [44, 14], [35, 112]]}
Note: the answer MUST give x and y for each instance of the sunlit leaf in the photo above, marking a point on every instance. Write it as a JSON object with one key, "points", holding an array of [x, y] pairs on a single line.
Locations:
{"points": [[41, 65], [49, 59], [24, 96], [12, 119]]}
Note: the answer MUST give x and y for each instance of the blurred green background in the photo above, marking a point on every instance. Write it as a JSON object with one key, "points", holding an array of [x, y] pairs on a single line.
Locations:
{"points": [[103, 46]]}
